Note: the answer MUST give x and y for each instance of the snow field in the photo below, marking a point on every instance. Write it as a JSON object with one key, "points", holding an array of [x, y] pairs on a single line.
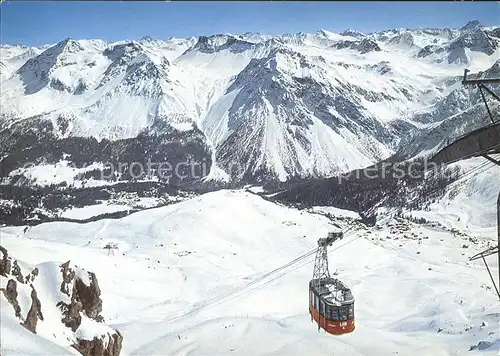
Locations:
{"points": [[166, 300]]}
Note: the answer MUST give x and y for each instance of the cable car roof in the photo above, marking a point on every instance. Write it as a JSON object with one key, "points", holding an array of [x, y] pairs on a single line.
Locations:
{"points": [[333, 291]]}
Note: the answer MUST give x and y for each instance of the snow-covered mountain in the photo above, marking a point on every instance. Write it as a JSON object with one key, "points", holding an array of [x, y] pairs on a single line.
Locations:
{"points": [[186, 273], [261, 107], [459, 113]]}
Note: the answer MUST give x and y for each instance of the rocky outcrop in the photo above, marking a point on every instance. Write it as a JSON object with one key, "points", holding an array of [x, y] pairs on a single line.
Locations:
{"points": [[79, 299], [352, 33], [428, 50], [16, 272], [84, 297], [405, 39], [71, 314], [10, 293], [34, 313], [5, 263], [471, 25], [67, 276], [30, 277], [86, 301], [477, 41], [89, 295], [108, 345], [364, 46]]}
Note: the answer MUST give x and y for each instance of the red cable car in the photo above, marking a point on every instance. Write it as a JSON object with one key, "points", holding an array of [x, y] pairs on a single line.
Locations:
{"points": [[331, 303]]}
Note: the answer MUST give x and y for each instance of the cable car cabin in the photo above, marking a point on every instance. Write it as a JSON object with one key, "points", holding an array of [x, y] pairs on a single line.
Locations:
{"points": [[331, 305]]}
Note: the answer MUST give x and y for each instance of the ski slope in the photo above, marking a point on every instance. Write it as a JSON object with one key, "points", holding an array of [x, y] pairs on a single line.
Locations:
{"points": [[171, 289]]}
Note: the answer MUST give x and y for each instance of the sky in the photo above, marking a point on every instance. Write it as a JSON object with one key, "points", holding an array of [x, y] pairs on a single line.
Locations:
{"points": [[48, 22]]}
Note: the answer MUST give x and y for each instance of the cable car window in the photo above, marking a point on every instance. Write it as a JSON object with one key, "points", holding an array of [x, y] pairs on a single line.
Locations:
{"points": [[334, 313], [343, 313], [351, 311], [322, 307]]}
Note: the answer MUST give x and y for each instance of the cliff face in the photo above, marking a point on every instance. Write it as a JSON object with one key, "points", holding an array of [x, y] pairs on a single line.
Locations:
{"points": [[58, 302]]}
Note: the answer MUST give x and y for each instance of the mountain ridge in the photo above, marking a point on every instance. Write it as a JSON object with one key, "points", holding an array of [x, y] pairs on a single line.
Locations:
{"points": [[252, 108]]}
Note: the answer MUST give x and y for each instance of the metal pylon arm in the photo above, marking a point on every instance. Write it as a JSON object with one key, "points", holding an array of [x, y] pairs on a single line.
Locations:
{"points": [[321, 270], [488, 252], [480, 83]]}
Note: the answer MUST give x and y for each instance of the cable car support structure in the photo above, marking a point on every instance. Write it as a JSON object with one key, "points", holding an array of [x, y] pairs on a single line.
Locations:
{"points": [[483, 142]]}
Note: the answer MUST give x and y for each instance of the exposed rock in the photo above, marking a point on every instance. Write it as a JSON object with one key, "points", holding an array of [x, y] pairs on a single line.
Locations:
{"points": [[405, 38], [458, 55], [4, 262], [428, 50], [34, 313], [67, 274], [352, 33], [494, 33], [90, 297], [10, 293], [83, 298], [84, 301], [216, 43], [71, 314], [35, 73], [364, 46], [16, 272], [477, 40], [482, 346], [31, 276], [86, 298], [100, 346], [471, 25]]}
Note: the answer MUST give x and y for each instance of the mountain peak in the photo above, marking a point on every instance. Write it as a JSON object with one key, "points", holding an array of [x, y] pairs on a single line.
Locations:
{"points": [[69, 45], [219, 42], [297, 105], [148, 39], [352, 33], [471, 25]]}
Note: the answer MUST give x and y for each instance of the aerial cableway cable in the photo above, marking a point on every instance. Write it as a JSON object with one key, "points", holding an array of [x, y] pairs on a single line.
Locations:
{"points": [[246, 290], [474, 154], [477, 153], [236, 296], [217, 299], [303, 262], [477, 169], [231, 295]]}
